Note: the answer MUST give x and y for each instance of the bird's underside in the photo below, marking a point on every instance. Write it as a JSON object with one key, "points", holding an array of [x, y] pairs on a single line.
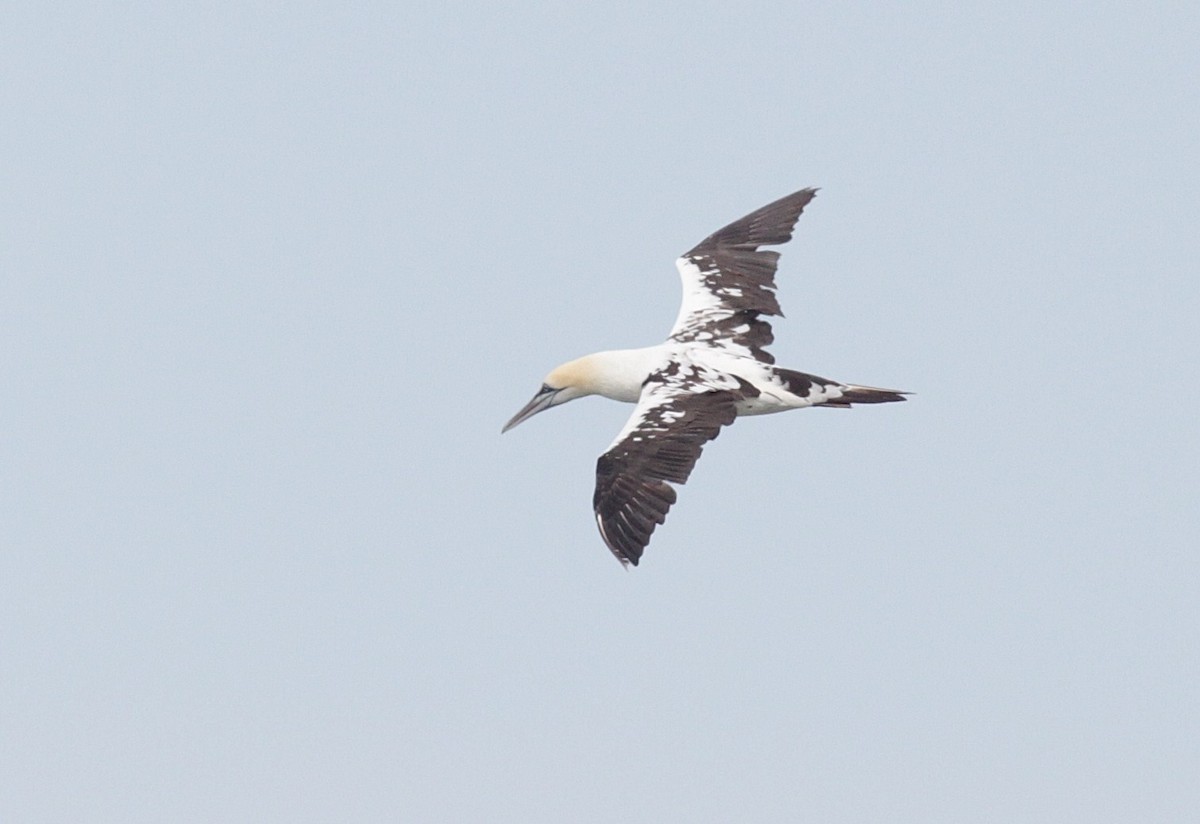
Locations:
{"points": [[713, 367], [682, 407]]}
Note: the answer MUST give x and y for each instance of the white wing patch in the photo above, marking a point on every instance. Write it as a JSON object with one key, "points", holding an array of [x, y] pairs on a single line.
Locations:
{"points": [[699, 301]]}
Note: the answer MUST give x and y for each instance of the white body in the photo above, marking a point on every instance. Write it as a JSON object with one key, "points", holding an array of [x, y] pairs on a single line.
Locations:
{"points": [[620, 375]]}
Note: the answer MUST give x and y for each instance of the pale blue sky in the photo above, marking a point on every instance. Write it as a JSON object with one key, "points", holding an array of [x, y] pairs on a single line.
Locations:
{"points": [[272, 276]]}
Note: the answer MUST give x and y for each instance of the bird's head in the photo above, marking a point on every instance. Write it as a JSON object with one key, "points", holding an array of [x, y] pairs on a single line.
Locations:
{"points": [[564, 383]]}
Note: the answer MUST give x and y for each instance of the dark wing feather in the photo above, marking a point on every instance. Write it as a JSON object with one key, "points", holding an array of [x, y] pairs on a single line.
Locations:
{"points": [[661, 444], [728, 281]]}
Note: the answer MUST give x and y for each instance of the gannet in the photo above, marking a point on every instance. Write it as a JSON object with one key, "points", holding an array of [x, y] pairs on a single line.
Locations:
{"points": [[712, 368]]}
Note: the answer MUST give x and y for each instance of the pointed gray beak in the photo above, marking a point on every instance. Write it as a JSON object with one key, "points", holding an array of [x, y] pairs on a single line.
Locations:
{"points": [[544, 399]]}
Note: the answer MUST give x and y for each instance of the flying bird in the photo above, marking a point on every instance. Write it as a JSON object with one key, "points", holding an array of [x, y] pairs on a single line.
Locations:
{"points": [[712, 368]]}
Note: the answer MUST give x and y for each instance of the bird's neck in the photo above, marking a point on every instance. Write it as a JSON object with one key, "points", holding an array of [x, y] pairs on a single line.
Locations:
{"points": [[618, 374]]}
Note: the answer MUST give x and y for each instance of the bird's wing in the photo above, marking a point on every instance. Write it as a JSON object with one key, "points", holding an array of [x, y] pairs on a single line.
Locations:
{"points": [[728, 282], [682, 407]]}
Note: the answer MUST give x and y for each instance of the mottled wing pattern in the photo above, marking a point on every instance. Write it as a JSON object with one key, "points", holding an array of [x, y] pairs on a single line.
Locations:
{"points": [[682, 407], [728, 282]]}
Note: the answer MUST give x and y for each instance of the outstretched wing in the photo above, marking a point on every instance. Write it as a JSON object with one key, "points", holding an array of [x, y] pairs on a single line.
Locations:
{"points": [[728, 282], [681, 408]]}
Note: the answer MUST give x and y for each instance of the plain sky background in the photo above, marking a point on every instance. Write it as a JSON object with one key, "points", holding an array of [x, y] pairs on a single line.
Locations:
{"points": [[273, 275]]}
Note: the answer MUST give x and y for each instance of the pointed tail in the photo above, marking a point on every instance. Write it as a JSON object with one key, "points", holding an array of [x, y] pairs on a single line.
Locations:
{"points": [[865, 394], [804, 385]]}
